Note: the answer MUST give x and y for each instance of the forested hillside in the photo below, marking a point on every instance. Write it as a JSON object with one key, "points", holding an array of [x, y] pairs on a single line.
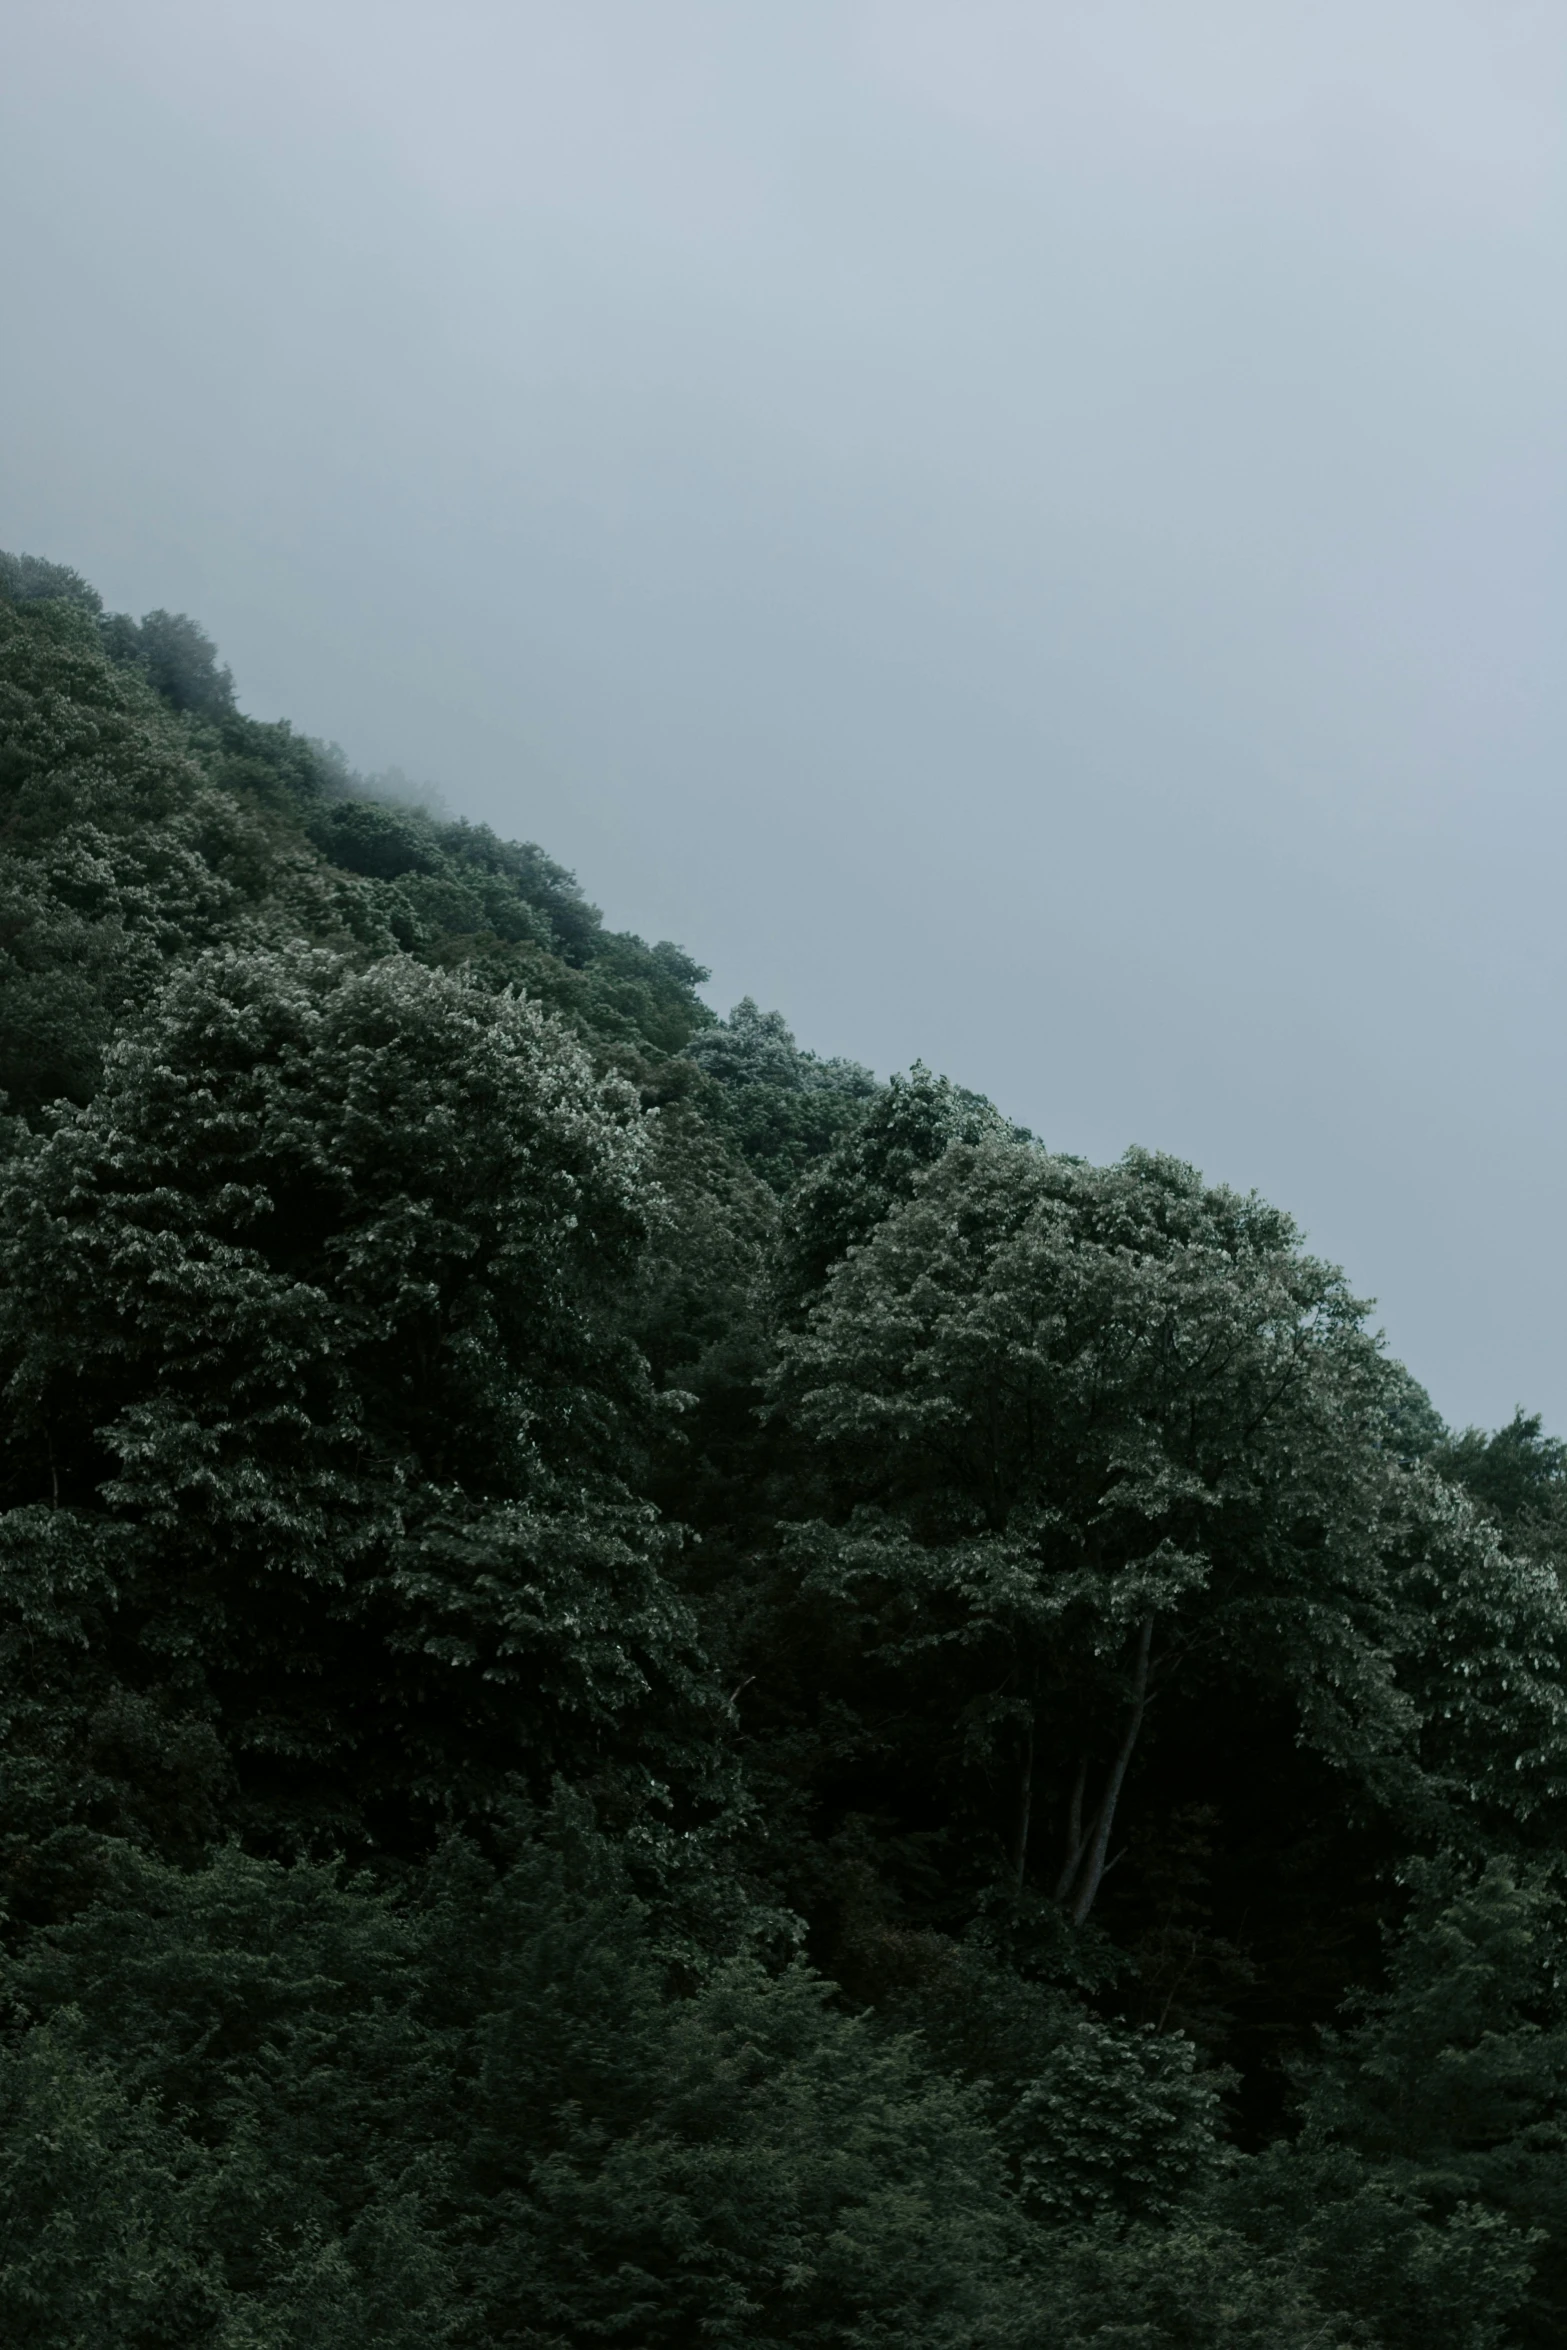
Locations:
{"points": [[657, 1693]]}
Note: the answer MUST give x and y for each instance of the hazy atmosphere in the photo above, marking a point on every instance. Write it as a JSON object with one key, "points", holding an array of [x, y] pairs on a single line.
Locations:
{"points": [[1024, 536]]}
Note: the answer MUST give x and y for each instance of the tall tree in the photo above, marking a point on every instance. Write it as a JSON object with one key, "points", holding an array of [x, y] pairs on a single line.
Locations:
{"points": [[1100, 1437], [312, 1377]]}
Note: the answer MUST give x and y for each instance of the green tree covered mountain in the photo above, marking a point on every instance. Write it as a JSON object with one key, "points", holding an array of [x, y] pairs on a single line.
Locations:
{"points": [[657, 1693]]}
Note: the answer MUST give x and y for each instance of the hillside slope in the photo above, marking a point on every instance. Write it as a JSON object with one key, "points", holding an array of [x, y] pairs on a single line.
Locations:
{"points": [[656, 1692]]}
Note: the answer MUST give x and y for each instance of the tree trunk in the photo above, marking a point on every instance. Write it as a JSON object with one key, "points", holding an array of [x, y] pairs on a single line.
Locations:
{"points": [[1025, 1806], [1087, 1855], [1075, 1839]]}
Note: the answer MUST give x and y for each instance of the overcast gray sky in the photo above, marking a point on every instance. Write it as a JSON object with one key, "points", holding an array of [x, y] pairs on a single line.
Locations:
{"points": [[1026, 534]]}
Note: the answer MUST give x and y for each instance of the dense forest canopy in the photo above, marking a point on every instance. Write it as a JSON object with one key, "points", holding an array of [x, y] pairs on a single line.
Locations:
{"points": [[655, 1692]]}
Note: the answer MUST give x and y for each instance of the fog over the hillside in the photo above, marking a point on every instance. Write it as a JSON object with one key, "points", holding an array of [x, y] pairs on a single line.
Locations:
{"points": [[1026, 535]]}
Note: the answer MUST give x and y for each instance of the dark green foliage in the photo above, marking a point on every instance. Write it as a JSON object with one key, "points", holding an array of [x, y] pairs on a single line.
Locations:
{"points": [[306, 1341], [381, 843], [144, 818], [1102, 1439], [30, 579], [1518, 1477], [178, 660], [1515, 1474], [119, 859], [783, 1107], [650, 1693], [1451, 2085], [1429, 2175], [485, 2115], [874, 1169], [105, 2235]]}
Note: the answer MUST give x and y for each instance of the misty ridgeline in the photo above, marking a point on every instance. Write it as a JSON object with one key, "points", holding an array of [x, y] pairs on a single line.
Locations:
{"points": [[656, 1693]]}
